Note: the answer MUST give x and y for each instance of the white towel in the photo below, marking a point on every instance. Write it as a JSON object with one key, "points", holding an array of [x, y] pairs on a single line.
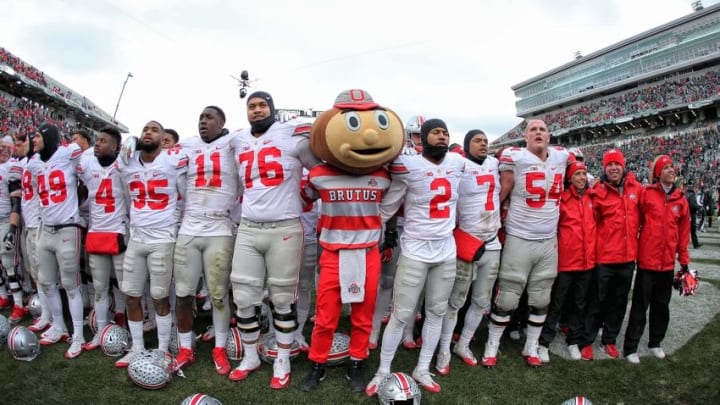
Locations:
{"points": [[352, 275]]}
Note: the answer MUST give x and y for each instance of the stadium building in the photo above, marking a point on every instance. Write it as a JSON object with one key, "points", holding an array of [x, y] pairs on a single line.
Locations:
{"points": [[307, 116], [29, 97], [658, 82]]}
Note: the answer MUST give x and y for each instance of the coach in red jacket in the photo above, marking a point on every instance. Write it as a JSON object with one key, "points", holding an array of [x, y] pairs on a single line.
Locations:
{"points": [[664, 236], [576, 261], [616, 206]]}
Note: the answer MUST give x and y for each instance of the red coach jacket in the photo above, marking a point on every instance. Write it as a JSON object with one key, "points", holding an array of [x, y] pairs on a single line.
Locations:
{"points": [[577, 232], [665, 232], [618, 220]]}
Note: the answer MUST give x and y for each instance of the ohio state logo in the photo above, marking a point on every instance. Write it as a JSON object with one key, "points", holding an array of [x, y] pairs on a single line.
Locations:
{"points": [[354, 289]]}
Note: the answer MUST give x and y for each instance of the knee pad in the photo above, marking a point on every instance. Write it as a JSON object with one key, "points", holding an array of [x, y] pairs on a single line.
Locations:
{"points": [[248, 319], [158, 293], [537, 316], [437, 308], [506, 301], [500, 318], [284, 318]]}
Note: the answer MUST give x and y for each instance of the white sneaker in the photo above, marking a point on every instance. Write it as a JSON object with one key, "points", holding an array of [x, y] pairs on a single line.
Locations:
{"points": [[124, 362], [94, 343], [76, 348], [544, 354], [372, 387], [442, 363], [53, 335], [465, 354], [633, 358], [425, 379], [574, 351], [657, 352], [281, 373]]}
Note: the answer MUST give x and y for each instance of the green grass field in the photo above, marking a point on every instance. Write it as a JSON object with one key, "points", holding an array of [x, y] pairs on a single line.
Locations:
{"points": [[688, 376]]}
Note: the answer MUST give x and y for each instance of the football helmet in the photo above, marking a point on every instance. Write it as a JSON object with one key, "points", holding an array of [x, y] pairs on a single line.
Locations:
{"points": [[151, 369], [339, 350], [34, 306], [412, 132], [4, 329], [92, 321], [398, 387], [686, 282], [234, 345], [114, 340], [267, 349], [578, 400], [128, 148], [23, 344], [200, 399], [577, 153]]}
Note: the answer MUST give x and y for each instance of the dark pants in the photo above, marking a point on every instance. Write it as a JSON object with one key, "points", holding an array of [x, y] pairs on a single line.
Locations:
{"points": [[608, 303], [652, 289], [573, 285], [693, 231]]}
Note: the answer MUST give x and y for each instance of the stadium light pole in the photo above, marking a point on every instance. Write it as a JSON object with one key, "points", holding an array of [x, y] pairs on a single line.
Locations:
{"points": [[129, 75]]}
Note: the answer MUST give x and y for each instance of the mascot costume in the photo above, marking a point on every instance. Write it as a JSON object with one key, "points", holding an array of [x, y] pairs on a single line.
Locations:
{"points": [[356, 139]]}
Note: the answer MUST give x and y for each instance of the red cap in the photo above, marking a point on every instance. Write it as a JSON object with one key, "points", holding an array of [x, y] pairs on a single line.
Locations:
{"points": [[575, 166], [614, 155], [660, 162]]}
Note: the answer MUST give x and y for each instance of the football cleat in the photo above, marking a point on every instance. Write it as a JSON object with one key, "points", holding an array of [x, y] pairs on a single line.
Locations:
{"points": [[466, 355], [5, 302], [209, 334], [75, 349], [53, 335], [246, 367], [425, 380], [442, 363], [611, 350], [220, 358], [409, 344], [281, 374], [94, 343], [544, 354], [489, 358], [574, 352], [532, 361], [587, 353], [39, 325], [18, 313], [124, 362], [372, 388], [186, 357]]}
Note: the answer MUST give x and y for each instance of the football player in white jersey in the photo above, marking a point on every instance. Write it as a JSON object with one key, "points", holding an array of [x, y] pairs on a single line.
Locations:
{"points": [[269, 240], [58, 247], [205, 241], [479, 216], [428, 185], [532, 177], [10, 186], [156, 179], [84, 140], [107, 205]]}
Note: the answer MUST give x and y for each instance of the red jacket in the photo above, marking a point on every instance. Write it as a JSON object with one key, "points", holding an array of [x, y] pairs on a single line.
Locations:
{"points": [[577, 232], [618, 220], [665, 231]]}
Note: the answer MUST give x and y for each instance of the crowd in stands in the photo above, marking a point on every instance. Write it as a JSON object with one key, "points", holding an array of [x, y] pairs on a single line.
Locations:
{"points": [[21, 67], [21, 117], [675, 91]]}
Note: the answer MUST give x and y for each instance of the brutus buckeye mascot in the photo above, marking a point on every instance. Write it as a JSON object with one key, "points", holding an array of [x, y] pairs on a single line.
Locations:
{"points": [[355, 138]]}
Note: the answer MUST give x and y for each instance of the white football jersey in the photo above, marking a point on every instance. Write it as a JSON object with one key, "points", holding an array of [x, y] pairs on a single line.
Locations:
{"points": [[535, 198], [85, 205], [153, 189], [10, 170], [57, 185], [479, 201], [430, 193], [212, 187], [30, 203], [270, 168], [107, 195]]}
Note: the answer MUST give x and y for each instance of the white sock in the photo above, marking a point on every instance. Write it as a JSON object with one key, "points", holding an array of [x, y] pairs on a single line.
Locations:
{"points": [[431, 337], [532, 336], [250, 349], [473, 317], [164, 327], [495, 332], [45, 315], [101, 311], [448, 327], [221, 321], [18, 298], [390, 341], [75, 304], [185, 339], [55, 306], [136, 332]]}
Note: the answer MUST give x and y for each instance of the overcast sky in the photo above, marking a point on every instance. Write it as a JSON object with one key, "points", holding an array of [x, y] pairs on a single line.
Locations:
{"points": [[454, 60]]}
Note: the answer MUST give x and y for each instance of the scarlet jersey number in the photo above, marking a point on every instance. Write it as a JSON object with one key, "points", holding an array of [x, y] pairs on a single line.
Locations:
{"points": [[55, 190], [104, 195], [149, 195], [488, 179], [269, 168], [442, 197], [535, 186], [215, 180]]}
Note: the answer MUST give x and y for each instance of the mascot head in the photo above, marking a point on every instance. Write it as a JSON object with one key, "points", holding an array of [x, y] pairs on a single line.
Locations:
{"points": [[357, 135]]}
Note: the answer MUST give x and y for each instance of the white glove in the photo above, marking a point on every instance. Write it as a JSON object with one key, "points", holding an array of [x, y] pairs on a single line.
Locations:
{"points": [[127, 148]]}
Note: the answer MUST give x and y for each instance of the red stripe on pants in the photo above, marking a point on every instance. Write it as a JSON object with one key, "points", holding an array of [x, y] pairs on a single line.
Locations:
{"points": [[329, 306]]}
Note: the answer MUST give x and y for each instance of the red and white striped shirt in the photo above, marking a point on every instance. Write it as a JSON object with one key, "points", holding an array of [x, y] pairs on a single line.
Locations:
{"points": [[350, 209]]}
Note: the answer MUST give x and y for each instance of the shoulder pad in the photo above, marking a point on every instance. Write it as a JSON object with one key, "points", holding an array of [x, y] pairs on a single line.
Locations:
{"points": [[302, 130], [398, 167]]}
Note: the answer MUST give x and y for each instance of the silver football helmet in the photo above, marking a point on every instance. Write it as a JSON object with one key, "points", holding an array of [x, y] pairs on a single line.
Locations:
{"points": [[92, 321], [234, 346], [577, 152], [339, 350], [23, 344], [200, 399], [151, 369], [578, 400], [4, 329], [114, 340], [128, 148], [399, 387], [34, 306], [267, 349]]}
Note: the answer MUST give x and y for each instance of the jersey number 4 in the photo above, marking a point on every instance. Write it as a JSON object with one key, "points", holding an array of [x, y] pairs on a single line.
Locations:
{"points": [[269, 168], [538, 193]]}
